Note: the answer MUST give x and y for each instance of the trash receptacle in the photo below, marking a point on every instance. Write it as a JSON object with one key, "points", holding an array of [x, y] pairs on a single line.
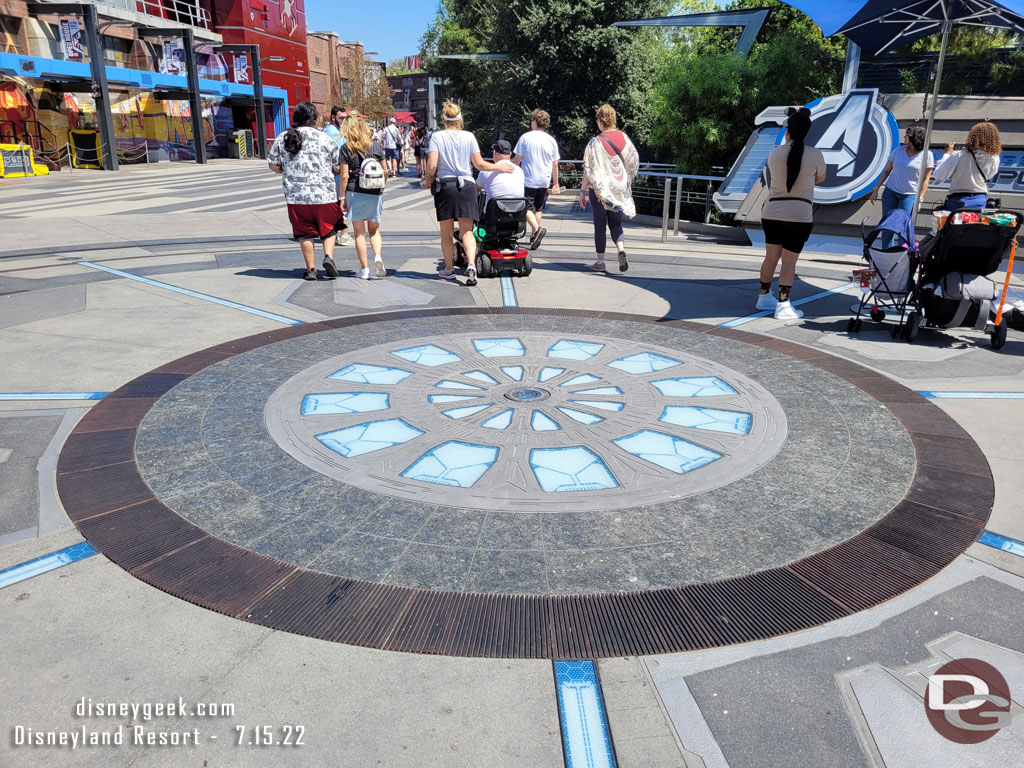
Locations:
{"points": [[240, 145]]}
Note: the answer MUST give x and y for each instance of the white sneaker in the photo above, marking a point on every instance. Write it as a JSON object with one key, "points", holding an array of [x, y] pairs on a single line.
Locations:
{"points": [[363, 274], [786, 311], [767, 301], [378, 265]]}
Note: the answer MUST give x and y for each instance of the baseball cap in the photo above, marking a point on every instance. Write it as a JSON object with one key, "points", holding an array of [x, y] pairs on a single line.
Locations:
{"points": [[502, 147], [393, 120]]}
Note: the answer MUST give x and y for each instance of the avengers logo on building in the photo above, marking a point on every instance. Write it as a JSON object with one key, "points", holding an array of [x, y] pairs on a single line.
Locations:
{"points": [[856, 134]]}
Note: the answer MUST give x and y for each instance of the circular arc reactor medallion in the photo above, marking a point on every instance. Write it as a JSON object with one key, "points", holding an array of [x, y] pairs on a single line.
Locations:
{"points": [[528, 422]]}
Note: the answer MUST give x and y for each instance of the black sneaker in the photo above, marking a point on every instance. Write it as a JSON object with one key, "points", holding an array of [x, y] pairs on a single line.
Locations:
{"points": [[623, 261], [471, 276], [329, 269], [537, 237], [309, 274]]}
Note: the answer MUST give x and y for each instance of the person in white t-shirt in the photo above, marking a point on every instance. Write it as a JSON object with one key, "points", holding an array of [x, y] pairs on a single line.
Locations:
{"points": [[451, 157], [537, 154], [501, 185], [902, 172], [392, 146]]}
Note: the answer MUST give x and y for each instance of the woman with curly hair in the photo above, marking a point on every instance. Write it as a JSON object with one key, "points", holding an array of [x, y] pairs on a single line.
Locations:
{"points": [[970, 169], [902, 173]]}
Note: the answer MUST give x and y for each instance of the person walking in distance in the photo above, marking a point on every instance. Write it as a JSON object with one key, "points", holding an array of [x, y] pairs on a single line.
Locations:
{"points": [[537, 154], [392, 146], [787, 218], [308, 161], [610, 163], [452, 155], [362, 178]]}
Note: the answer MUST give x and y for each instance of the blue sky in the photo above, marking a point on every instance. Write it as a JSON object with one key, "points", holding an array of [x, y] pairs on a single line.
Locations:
{"points": [[392, 27]]}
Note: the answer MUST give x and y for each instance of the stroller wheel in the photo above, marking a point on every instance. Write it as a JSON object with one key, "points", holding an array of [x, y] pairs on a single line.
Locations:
{"points": [[878, 315], [853, 325], [998, 335], [912, 327]]}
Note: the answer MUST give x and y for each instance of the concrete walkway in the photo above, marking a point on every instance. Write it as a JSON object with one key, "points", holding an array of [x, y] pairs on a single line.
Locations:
{"points": [[848, 693]]}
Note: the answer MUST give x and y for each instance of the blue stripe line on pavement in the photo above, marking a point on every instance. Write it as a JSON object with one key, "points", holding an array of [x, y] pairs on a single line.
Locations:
{"points": [[586, 736], [796, 303], [971, 395], [1005, 543], [30, 568], [194, 294], [508, 291], [52, 395]]}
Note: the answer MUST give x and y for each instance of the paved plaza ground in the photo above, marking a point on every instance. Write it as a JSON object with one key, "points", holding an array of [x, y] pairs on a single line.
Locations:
{"points": [[384, 515]]}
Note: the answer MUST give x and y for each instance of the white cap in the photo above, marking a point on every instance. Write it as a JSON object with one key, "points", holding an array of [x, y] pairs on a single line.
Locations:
{"points": [[393, 120]]}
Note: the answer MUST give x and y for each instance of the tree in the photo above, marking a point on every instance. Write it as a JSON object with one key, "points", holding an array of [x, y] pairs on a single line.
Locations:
{"points": [[366, 87], [564, 57], [399, 67], [706, 98]]}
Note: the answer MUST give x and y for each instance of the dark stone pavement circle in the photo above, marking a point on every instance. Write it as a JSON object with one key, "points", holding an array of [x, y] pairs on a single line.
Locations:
{"points": [[946, 508]]}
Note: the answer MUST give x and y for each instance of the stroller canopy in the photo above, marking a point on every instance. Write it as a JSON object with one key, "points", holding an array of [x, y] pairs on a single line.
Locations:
{"points": [[897, 223]]}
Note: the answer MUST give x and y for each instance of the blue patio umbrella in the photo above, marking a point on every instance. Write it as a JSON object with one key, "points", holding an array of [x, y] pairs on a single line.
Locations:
{"points": [[882, 25]]}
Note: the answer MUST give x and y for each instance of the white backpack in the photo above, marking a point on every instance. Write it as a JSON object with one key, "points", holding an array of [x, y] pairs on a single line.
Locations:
{"points": [[371, 175]]}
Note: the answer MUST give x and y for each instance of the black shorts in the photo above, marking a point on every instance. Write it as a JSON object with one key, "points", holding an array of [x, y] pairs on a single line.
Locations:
{"points": [[453, 203], [791, 235], [535, 198]]}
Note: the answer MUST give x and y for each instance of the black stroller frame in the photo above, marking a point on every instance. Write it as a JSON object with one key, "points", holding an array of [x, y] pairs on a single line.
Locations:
{"points": [[977, 249], [884, 291]]}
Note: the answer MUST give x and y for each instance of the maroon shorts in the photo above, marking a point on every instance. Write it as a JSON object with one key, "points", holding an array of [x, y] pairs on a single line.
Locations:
{"points": [[321, 220]]}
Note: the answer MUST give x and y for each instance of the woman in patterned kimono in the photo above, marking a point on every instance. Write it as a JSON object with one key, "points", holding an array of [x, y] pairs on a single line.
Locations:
{"points": [[610, 163], [308, 161]]}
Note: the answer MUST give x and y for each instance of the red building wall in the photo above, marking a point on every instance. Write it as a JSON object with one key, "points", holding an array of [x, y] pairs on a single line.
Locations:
{"points": [[278, 27]]}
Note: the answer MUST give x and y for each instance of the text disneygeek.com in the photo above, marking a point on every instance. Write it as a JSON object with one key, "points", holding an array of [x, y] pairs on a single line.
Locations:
{"points": [[135, 727]]}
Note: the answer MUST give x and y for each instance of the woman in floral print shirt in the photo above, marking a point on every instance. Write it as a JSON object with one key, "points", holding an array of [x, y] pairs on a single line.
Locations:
{"points": [[308, 161]]}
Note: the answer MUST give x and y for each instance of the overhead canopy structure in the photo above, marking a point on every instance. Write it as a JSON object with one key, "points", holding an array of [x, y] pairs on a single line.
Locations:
{"points": [[405, 117], [882, 25]]}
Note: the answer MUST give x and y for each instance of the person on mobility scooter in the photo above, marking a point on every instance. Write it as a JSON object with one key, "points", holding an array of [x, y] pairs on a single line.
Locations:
{"points": [[503, 220]]}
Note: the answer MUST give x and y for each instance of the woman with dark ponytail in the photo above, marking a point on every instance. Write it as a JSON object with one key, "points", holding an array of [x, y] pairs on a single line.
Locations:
{"points": [[788, 216], [308, 161]]}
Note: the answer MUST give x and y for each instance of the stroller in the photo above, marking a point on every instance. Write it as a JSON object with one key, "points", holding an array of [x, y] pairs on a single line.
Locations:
{"points": [[955, 290], [497, 233], [889, 280]]}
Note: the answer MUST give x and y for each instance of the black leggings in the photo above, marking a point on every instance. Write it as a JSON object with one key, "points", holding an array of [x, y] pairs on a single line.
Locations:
{"points": [[603, 218]]}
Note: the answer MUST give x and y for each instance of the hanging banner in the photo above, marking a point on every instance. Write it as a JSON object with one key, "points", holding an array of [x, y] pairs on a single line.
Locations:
{"points": [[241, 64], [173, 61], [412, 63], [71, 39]]}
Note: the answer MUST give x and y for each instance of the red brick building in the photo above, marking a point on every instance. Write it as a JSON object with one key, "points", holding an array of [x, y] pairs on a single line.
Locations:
{"points": [[329, 80]]}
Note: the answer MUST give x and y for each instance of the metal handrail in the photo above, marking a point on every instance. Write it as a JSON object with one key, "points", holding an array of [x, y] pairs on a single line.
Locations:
{"points": [[182, 11], [690, 197]]}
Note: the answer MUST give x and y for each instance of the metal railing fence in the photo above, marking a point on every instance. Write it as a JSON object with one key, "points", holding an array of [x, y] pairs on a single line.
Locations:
{"points": [[653, 183]]}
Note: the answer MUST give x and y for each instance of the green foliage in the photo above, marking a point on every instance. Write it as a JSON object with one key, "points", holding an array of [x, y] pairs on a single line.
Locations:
{"points": [[398, 67], [975, 57], [706, 98], [564, 57]]}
